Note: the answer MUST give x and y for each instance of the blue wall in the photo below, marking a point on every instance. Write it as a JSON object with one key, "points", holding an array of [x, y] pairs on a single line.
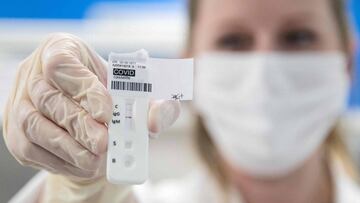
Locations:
{"points": [[354, 8], [54, 9], [76, 9]]}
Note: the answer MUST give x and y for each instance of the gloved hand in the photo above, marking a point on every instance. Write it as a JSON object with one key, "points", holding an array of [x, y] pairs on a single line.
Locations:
{"points": [[56, 115]]}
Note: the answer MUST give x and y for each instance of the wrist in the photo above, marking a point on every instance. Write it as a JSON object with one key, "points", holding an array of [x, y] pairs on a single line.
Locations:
{"points": [[60, 188]]}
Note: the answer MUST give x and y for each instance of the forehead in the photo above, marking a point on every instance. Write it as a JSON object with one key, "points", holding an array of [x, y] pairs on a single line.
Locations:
{"points": [[263, 11]]}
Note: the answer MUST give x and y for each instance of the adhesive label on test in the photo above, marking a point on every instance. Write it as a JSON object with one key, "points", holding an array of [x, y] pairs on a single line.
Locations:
{"points": [[134, 79], [139, 75]]}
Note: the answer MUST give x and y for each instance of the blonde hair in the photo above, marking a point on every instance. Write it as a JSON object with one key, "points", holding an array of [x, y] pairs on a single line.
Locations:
{"points": [[335, 146]]}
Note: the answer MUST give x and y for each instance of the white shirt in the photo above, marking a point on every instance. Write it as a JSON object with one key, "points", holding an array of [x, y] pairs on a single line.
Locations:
{"points": [[197, 187]]}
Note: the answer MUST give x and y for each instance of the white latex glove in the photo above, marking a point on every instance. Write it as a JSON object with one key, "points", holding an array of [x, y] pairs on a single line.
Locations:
{"points": [[56, 115]]}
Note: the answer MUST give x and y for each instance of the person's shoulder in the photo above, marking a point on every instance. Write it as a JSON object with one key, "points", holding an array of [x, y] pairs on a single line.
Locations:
{"points": [[179, 190], [346, 188], [349, 191]]}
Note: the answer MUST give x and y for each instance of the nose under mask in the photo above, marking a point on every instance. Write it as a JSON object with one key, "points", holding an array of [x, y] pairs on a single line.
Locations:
{"points": [[267, 113]]}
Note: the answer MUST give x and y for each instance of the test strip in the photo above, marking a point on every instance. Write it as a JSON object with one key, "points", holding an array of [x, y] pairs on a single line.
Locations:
{"points": [[134, 79]]}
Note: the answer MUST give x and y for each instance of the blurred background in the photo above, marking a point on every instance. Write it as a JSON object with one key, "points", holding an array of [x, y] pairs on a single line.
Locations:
{"points": [[160, 26]]}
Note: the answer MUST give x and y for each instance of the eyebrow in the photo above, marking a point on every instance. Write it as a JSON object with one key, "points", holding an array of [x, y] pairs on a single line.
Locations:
{"points": [[234, 24], [293, 17], [303, 18]]}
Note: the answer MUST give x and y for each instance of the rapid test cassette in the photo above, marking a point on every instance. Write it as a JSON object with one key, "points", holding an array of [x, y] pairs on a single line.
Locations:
{"points": [[134, 79]]}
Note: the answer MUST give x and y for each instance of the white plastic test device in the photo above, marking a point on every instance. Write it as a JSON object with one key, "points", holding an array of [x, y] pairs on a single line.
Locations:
{"points": [[134, 79]]}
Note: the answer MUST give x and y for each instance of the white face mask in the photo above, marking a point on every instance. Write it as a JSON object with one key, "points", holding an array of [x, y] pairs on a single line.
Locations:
{"points": [[267, 113]]}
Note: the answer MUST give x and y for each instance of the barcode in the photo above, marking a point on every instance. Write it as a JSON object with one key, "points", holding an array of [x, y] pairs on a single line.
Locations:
{"points": [[131, 86]]}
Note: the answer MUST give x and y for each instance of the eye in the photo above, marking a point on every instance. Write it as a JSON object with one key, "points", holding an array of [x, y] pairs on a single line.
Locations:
{"points": [[299, 39], [235, 42]]}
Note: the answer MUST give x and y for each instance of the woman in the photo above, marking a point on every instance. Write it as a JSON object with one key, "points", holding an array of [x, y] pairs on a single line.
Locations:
{"points": [[271, 81]]}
